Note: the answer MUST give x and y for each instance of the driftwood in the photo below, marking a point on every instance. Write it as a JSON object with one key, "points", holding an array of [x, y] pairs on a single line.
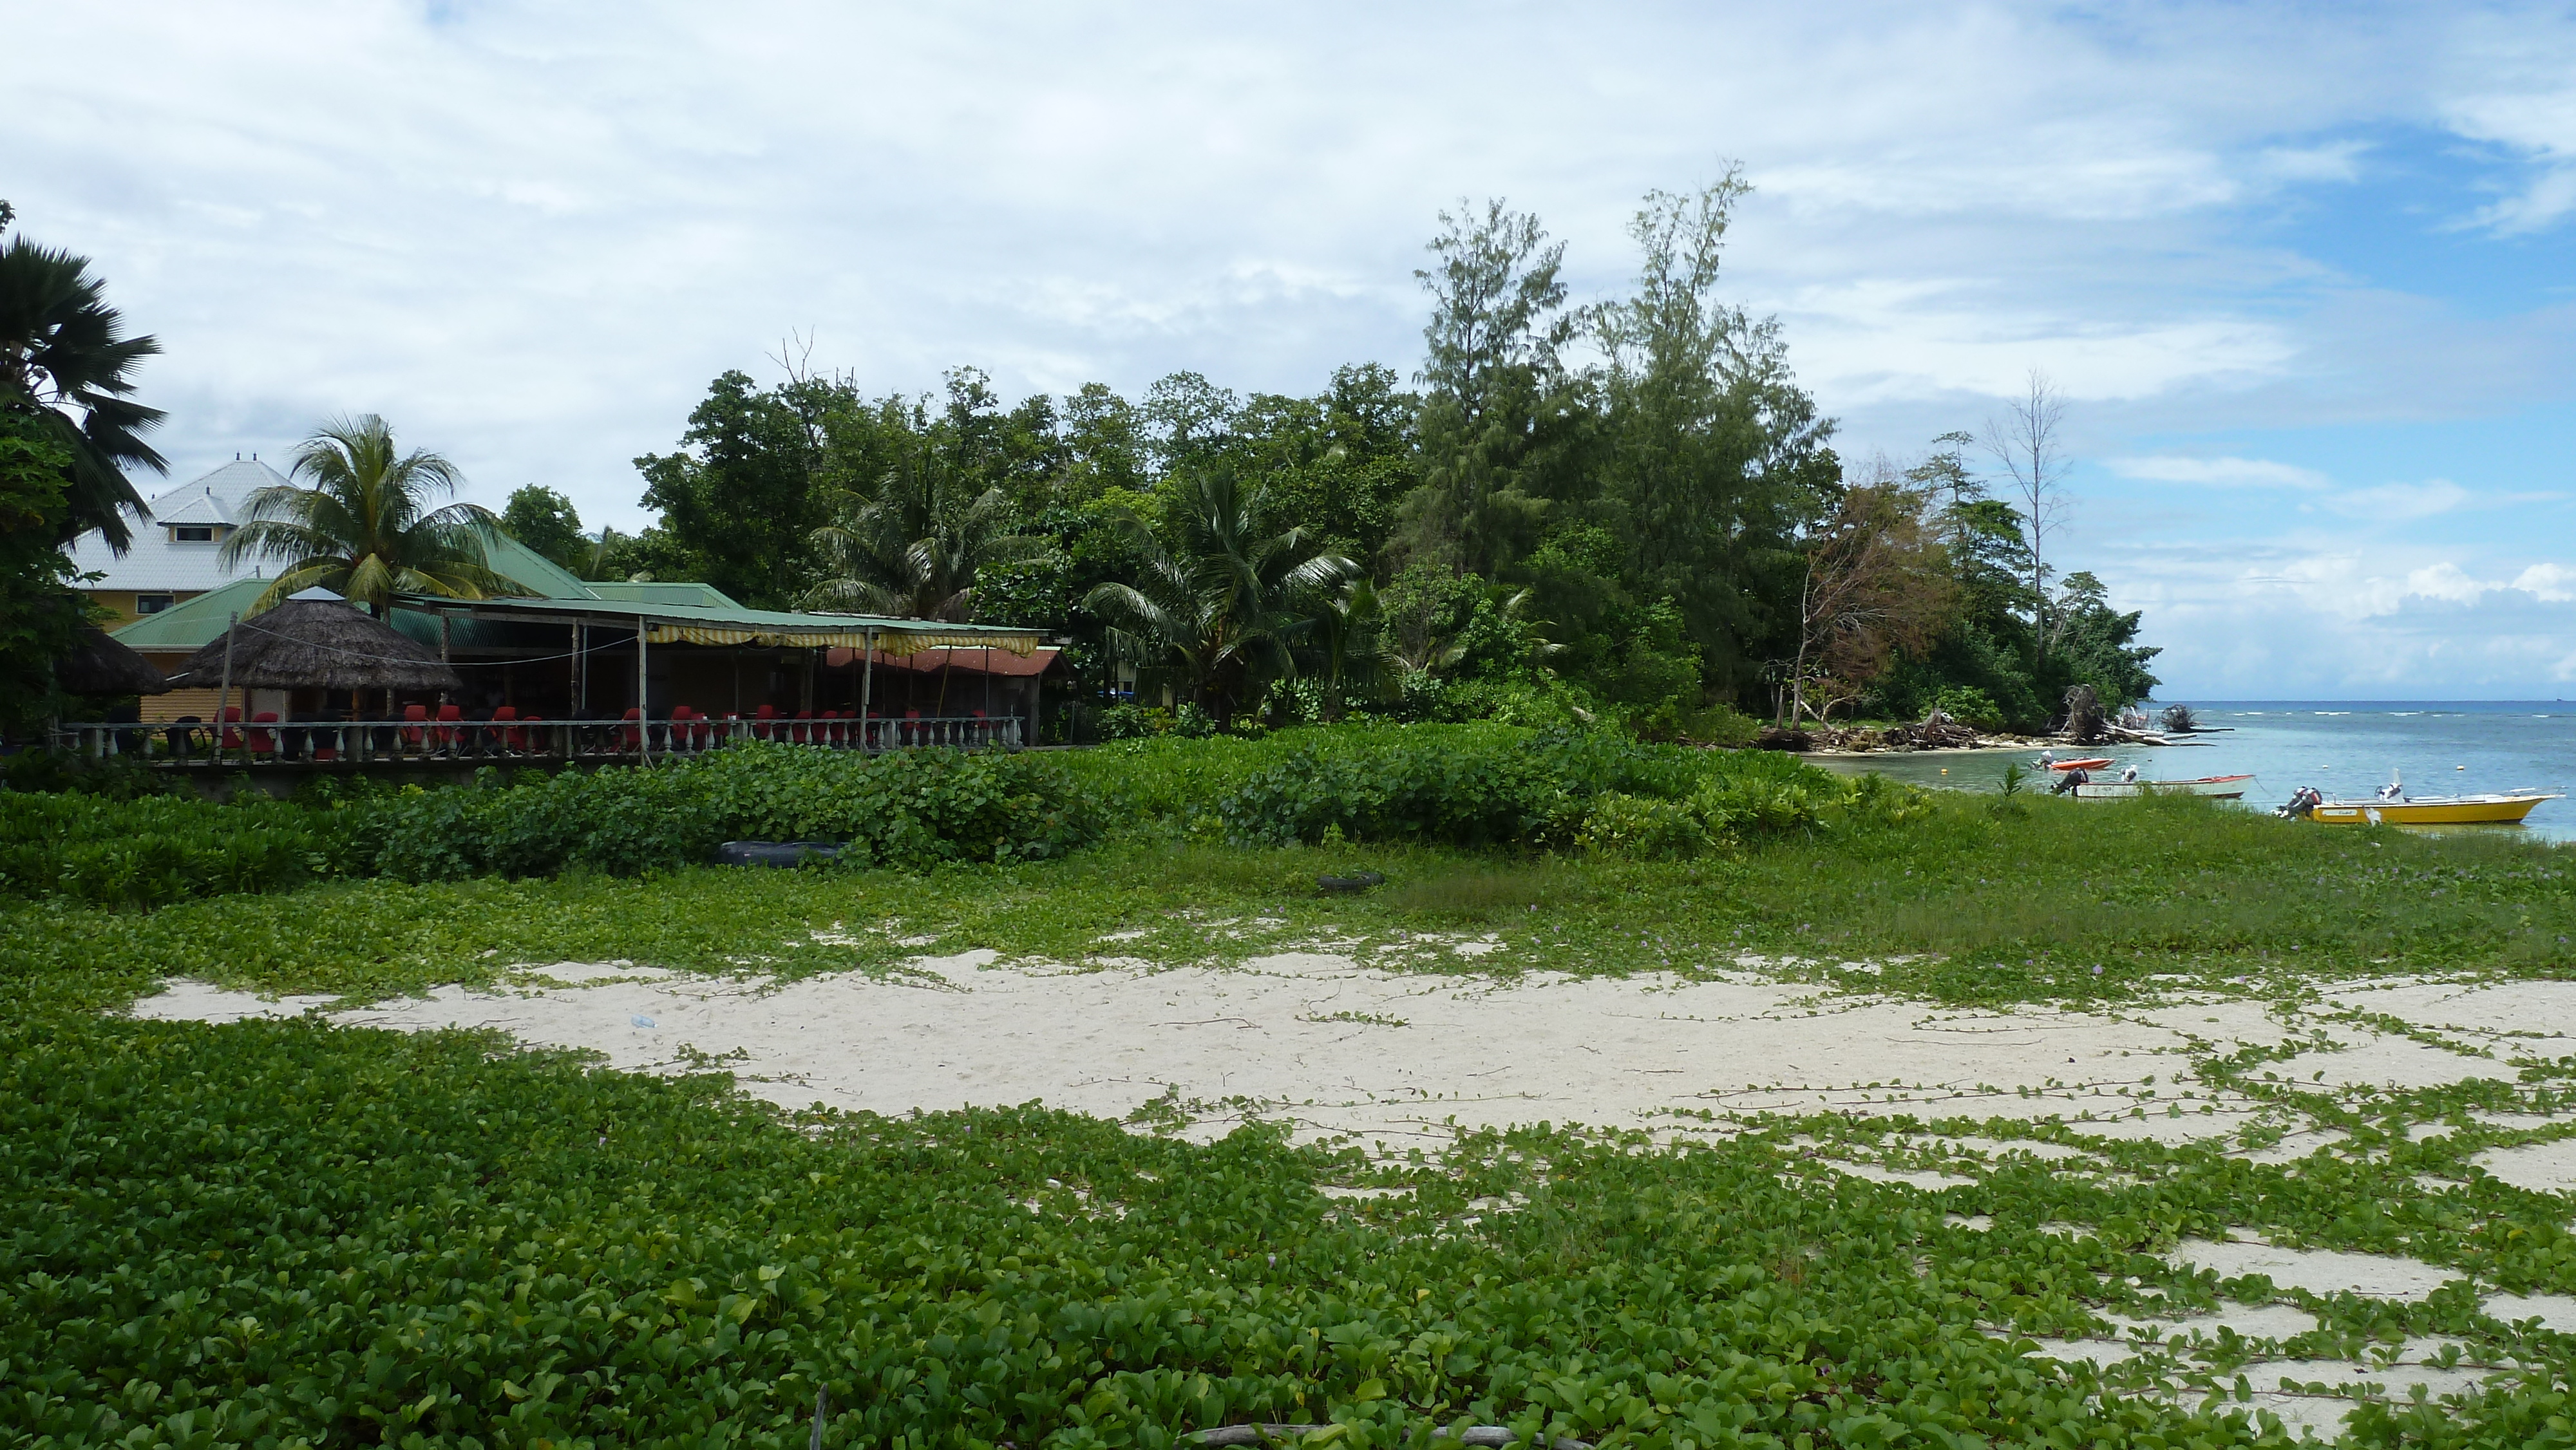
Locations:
{"points": [[2085, 724], [1935, 731], [1349, 885], [1484, 1437], [1774, 737]]}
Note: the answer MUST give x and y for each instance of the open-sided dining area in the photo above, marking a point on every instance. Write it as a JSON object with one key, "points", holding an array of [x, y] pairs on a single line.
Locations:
{"points": [[317, 683]]}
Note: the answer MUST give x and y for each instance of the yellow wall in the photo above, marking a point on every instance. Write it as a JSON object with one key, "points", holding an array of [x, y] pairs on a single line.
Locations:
{"points": [[121, 601]]}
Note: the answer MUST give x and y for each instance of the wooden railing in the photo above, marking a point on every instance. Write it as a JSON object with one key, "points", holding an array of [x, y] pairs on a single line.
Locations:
{"points": [[361, 742]]}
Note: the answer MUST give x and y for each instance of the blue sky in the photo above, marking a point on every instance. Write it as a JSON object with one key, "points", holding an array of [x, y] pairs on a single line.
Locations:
{"points": [[2301, 271]]}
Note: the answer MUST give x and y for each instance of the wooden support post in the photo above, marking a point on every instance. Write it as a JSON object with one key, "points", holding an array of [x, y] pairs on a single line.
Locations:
{"points": [[867, 692], [643, 698], [224, 692]]}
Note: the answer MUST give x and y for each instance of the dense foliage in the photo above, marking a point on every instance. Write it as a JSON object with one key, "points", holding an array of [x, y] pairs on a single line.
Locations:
{"points": [[284, 1232], [40, 617], [279, 1233], [156, 849], [1486, 785], [1643, 535], [908, 808]]}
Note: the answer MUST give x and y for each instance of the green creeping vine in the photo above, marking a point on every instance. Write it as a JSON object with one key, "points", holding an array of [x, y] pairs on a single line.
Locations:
{"points": [[281, 1233]]}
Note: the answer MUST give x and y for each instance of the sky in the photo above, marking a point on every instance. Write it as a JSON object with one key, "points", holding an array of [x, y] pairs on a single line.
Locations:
{"points": [[2300, 273]]}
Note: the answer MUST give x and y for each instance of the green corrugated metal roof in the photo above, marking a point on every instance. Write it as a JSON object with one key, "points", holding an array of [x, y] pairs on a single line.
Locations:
{"points": [[186, 626], [514, 560], [659, 592], [189, 625], [730, 617]]}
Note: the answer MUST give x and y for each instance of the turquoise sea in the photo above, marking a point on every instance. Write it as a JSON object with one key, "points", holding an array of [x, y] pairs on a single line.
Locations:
{"points": [[2342, 747]]}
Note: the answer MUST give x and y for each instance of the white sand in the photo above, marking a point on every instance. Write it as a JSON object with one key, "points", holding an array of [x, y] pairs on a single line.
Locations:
{"points": [[2540, 1167], [2319, 1271], [1306, 1035]]}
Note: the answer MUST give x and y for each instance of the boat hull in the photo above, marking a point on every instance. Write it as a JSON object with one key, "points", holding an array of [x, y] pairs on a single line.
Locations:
{"points": [[2435, 811], [2216, 787]]}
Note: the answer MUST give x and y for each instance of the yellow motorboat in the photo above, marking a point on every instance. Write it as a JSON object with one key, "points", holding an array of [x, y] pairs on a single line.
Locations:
{"points": [[2491, 808]]}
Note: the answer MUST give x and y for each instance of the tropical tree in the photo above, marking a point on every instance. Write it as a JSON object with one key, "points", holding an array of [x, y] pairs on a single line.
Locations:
{"points": [[1227, 606], [40, 615], [1876, 585], [1352, 651], [915, 548], [66, 365], [363, 526], [546, 521]]}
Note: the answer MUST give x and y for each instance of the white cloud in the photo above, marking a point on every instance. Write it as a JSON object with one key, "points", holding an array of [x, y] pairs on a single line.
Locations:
{"points": [[2400, 502], [530, 234], [2516, 88], [2254, 472], [2553, 583]]}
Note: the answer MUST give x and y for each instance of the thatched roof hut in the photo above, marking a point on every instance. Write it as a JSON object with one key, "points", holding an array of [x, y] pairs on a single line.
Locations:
{"points": [[317, 640], [99, 665]]}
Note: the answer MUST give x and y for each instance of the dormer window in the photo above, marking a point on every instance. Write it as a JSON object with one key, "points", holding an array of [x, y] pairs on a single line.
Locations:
{"points": [[193, 533]]}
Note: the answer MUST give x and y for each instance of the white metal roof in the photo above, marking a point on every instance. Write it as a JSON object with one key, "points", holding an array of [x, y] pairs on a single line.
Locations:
{"points": [[159, 564]]}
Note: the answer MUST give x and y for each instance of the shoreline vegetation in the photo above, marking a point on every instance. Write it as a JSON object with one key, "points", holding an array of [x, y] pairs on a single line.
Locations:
{"points": [[293, 1230], [318, 1124]]}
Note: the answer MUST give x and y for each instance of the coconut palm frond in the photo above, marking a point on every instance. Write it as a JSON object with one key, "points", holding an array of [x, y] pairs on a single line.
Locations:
{"points": [[361, 522]]}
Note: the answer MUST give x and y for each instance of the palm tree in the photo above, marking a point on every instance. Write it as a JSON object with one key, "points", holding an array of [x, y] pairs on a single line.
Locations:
{"points": [[1227, 607], [1350, 643], [63, 351], [913, 550], [364, 527]]}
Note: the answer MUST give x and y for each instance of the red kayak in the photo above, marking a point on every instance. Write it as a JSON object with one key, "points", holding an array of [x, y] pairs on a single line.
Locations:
{"points": [[2095, 763]]}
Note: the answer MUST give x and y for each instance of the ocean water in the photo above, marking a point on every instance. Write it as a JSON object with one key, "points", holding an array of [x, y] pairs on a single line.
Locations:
{"points": [[2343, 748]]}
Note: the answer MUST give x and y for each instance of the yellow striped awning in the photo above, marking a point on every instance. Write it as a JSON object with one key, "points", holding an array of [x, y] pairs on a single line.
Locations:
{"points": [[667, 632]]}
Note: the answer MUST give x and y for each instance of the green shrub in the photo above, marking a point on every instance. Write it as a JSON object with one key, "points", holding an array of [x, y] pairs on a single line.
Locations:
{"points": [[1620, 824], [1487, 785], [118, 777], [909, 808], [1972, 707], [150, 850], [1720, 724], [1134, 722]]}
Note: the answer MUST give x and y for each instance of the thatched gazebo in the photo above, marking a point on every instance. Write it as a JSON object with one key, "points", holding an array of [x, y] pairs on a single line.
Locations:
{"points": [[318, 641], [100, 666]]}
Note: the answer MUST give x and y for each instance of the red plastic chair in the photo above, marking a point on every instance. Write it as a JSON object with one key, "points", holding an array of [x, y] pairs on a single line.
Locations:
{"points": [[630, 736], [232, 737], [447, 737], [763, 723], [698, 732], [831, 734], [499, 736], [414, 732], [264, 742], [801, 732]]}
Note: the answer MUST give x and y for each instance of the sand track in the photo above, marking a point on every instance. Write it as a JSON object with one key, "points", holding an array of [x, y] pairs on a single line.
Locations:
{"points": [[1341, 1047]]}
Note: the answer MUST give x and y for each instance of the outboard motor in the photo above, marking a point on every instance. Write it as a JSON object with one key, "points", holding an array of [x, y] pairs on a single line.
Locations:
{"points": [[2302, 801], [2068, 781]]}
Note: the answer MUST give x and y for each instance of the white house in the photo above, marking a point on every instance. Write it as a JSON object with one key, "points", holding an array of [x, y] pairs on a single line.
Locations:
{"points": [[176, 549]]}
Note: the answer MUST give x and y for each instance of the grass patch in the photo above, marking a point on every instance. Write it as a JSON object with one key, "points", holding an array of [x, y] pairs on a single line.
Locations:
{"points": [[1985, 903], [284, 1232]]}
